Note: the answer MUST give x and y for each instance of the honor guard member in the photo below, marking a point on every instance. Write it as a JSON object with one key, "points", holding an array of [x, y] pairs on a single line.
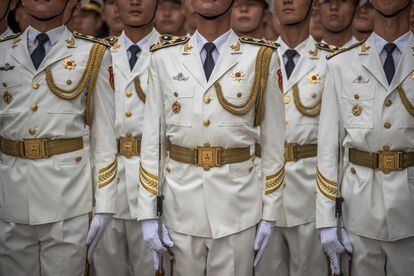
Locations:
{"points": [[122, 250], [337, 17], [110, 15], [212, 90], [5, 7], [363, 24], [170, 18], [247, 18], [368, 108], [295, 247], [89, 19], [56, 110]]}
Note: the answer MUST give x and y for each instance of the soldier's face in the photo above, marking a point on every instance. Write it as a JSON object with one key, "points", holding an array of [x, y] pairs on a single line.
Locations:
{"points": [[47, 8], [170, 18], [111, 16], [337, 14], [291, 12], [136, 12], [389, 6], [364, 18], [210, 7], [247, 15]]}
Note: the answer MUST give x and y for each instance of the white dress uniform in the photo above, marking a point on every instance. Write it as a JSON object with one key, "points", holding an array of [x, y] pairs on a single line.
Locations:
{"points": [[374, 122], [6, 33], [122, 250], [295, 248], [213, 200], [52, 120]]}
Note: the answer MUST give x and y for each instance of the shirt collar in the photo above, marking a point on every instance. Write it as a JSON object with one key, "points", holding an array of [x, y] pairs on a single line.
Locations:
{"points": [[218, 42], [401, 42], [53, 34], [142, 44], [299, 49]]}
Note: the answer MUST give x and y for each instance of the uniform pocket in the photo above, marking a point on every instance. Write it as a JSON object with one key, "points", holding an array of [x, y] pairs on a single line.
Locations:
{"points": [[71, 159], [236, 94], [178, 104], [358, 106]]}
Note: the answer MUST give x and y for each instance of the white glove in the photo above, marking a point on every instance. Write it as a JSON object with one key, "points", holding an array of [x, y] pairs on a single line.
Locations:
{"points": [[263, 234], [152, 240], [96, 231], [333, 247]]}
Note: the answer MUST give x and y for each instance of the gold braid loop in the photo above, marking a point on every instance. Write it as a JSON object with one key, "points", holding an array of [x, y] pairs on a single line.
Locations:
{"points": [[267, 56], [310, 110], [138, 89], [406, 102]]}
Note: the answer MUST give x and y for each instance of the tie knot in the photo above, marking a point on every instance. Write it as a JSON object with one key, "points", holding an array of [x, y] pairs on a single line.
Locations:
{"points": [[134, 49], [390, 47], [209, 47], [42, 38], [290, 53]]}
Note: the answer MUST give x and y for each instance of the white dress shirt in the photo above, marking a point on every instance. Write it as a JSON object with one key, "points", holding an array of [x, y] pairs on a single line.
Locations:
{"points": [[53, 34], [401, 42], [218, 42], [142, 44]]}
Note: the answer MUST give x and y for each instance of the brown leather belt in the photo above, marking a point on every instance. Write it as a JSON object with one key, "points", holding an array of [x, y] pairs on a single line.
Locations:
{"points": [[207, 156], [295, 152], [39, 148], [385, 161], [129, 146]]}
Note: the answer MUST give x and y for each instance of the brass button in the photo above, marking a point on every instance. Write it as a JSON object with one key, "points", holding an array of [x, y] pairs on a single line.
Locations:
{"points": [[128, 93], [239, 95], [78, 159], [353, 171], [207, 99], [128, 113], [36, 85], [68, 82], [128, 134], [168, 170], [387, 125], [4, 84], [286, 120], [32, 131], [313, 95], [286, 100], [176, 94], [386, 148], [388, 102], [34, 107], [356, 97], [206, 123]]}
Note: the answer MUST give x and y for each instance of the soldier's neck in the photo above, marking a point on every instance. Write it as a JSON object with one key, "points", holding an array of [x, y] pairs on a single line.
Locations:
{"points": [[337, 39], [293, 35], [44, 26], [3, 26], [136, 34], [212, 29], [392, 28], [361, 35]]}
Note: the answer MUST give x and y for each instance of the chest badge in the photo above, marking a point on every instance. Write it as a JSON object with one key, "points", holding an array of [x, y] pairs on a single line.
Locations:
{"points": [[187, 48], [176, 107], [357, 110], [313, 53], [235, 47], [70, 42], [237, 75], [314, 78], [7, 97], [365, 48], [6, 67], [69, 64], [360, 79], [180, 77]]}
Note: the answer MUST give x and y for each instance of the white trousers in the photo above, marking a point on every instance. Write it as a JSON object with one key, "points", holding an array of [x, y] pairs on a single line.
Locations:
{"points": [[122, 251], [228, 256], [294, 251], [55, 249]]}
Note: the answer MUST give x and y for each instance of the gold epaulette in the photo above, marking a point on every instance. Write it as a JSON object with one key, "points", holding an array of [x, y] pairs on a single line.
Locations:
{"points": [[92, 38], [326, 47], [168, 41], [13, 36], [344, 49], [111, 40], [260, 42]]}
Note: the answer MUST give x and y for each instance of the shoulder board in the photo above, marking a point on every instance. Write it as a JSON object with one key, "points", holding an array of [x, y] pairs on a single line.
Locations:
{"points": [[173, 40], [260, 42], [326, 47], [92, 38], [111, 40], [167, 37], [13, 36], [342, 50]]}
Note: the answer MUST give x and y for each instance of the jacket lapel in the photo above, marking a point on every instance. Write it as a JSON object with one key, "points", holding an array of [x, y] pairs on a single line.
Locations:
{"points": [[191, 60], [406, 65], [120, 57], [20, 52]]}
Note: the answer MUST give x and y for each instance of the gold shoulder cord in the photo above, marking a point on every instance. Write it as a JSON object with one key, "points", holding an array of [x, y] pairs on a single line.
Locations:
{"points": [[310, 110], [258, 89], [138, 89], [406, 102]]}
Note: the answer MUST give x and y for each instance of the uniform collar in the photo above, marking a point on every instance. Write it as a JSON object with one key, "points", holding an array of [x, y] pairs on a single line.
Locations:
{"points": [[218, 42], [53, 34], [401, 42], [142, 44], [299, 49]]}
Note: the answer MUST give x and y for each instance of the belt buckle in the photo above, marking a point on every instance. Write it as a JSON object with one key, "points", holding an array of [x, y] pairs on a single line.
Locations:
{"points": [[34, 148], [208, 156], [128, 146], [390, 161], [290, 152]]}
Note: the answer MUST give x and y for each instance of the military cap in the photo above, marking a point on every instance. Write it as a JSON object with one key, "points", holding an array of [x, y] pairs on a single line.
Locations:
{"points": [[92, 5]]}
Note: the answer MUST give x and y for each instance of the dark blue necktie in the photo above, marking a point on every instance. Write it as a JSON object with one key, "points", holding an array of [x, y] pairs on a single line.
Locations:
{"points": [[134, 50], [40, 52], [389, 64], [290, 64], [209, 62]]}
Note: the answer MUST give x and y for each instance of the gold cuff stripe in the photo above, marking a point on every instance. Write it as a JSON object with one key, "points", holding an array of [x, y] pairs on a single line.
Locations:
{"points": [[331, 182], [152, 191], [331, 197], [148, 181], [153, 176], [103, 184], [107, 167], [109, 173], [328, 189], [281, 171], [274, 181]]}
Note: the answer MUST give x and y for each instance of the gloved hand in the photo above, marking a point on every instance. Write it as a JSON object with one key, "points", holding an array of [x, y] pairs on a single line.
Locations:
{"points": [[263, 234], [333, 247], [152, 240], [98, 225]]}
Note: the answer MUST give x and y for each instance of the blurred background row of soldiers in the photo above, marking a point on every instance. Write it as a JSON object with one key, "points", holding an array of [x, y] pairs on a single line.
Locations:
{"points": [[176, 17]]}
